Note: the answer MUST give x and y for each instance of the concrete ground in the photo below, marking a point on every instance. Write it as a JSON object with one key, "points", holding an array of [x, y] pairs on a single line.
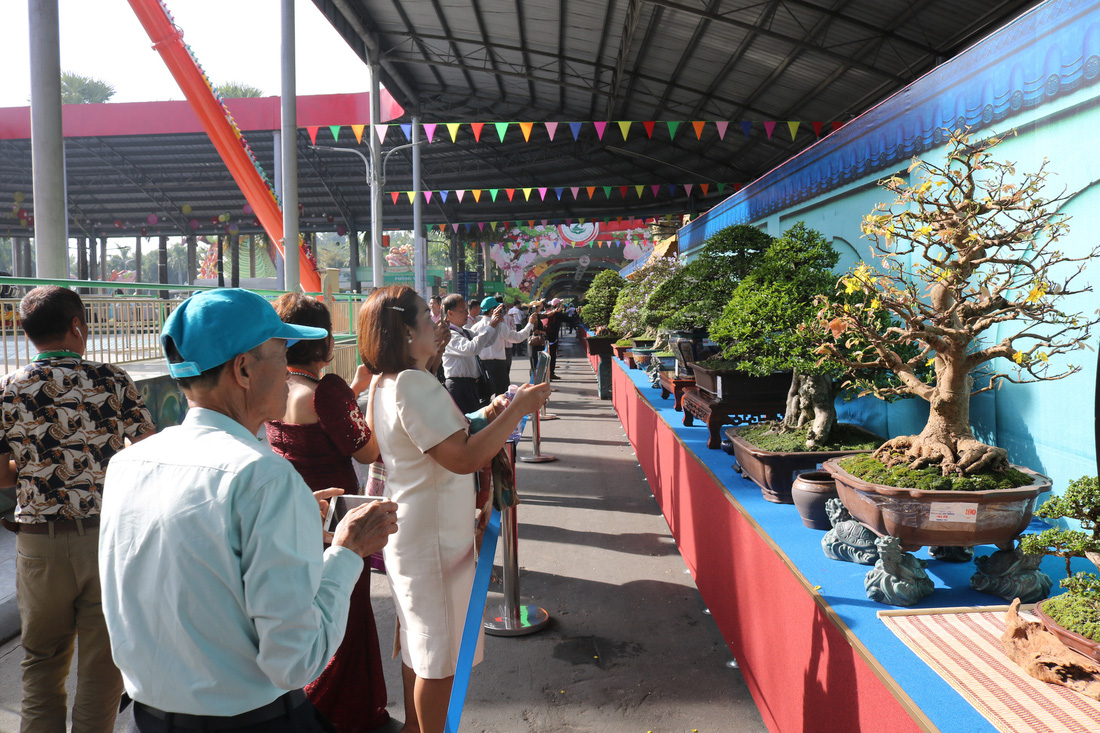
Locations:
{"points": [[629, 647]]}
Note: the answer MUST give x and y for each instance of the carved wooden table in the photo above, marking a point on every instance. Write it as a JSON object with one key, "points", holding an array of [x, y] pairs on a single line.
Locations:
{"points": [[673, 385], [714, 414]]}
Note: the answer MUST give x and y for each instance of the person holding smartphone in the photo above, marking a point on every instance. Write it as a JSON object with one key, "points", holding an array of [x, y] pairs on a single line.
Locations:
{"points": [[424, 438]]}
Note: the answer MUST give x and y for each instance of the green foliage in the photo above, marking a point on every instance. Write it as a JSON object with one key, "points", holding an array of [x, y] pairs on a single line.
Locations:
{"points": [[80, 89], [770, 437], [237, 90], [1077, 612], [929, 478], [624, 343], [1080, 501], [770, 322], [601, 297], [628, 315], [696, 296]]}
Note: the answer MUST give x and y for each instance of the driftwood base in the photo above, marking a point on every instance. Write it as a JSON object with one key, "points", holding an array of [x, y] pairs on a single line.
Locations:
{"points": [[1042, 656]]}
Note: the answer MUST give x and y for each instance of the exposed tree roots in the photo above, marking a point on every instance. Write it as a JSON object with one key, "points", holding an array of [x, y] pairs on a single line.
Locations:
{"points": [[959, 456]]}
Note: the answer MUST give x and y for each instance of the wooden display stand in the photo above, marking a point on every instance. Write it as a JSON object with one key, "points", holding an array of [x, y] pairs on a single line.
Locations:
{"points": [[675, 386], [715, 414]]}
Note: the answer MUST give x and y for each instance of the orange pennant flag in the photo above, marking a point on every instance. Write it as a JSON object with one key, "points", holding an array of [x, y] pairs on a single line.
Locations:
{"points": [[477, 194], [511, 192], [705, 187], [526, 128], [358, 130], [698, 125], [591, 191]]}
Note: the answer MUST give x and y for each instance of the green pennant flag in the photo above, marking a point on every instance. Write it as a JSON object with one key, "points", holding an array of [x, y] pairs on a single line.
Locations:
{"points": [[502, 128], [335, 130], [672, 127], [607, 192], [493, 196], [720, 187]]}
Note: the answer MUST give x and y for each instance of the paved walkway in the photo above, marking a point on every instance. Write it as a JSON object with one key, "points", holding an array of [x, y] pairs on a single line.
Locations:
{"points": [[629, 646]]}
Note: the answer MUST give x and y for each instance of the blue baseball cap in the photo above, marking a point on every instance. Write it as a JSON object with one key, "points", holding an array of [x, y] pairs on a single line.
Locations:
{"points": [[210, 328], [489, 303]]}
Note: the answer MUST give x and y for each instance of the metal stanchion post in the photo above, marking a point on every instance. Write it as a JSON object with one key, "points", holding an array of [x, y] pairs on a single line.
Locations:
{"points": [[536, 439], [544, 415], [512, 618]]}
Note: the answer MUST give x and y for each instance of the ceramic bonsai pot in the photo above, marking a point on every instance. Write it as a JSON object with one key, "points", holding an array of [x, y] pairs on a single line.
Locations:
{"points": [[940, 518], [810, 491], [668, 363], [726, 385], [689, 346], [774, 471], [643, 343], [642, 356], [1077, 642], [599, 345], [621, 352]]}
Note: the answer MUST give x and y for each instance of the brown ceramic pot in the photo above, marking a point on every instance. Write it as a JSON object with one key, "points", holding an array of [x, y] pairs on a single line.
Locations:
{"points": [[1078, 643], [940, 518], [810, 491]]}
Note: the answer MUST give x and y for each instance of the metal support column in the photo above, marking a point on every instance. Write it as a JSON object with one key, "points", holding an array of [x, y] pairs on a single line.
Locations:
{"points": [[289, 102], [51, 213], [420, 243], [377, 260], [103, 274], [353, 255], [137, 258], [280, 262], [234, 260], [162, 265], [192, 258], [93, 268]]}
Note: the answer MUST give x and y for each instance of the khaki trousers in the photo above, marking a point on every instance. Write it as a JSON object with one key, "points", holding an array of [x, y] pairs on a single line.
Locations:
{"points": [[57, 583]]}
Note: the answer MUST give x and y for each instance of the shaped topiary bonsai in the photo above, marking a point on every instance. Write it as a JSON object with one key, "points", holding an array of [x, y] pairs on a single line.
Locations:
{"points": [[627, 317], [694, 297], [1078, 609], [600, 299], [961, 251]]}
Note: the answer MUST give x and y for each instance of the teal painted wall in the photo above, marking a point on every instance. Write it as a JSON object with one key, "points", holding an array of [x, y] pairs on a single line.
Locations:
{"points": [[1038, 76]]}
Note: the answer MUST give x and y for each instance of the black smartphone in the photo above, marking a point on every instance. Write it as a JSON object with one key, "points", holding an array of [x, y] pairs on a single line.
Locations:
{"points": [[341, 505]]}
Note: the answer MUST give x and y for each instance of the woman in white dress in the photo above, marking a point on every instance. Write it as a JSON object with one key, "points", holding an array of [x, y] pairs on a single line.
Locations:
{"points": [[424, 441]]}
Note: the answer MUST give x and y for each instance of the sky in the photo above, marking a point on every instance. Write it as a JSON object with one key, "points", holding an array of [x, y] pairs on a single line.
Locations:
{"points": [[234, 40]]}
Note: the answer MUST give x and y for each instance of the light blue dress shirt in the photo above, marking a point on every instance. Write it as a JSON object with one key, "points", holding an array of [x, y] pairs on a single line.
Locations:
{"points": [[217, 596]]}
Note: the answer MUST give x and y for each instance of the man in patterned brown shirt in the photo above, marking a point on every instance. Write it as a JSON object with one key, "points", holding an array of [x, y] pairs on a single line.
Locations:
{"points": [[61, 419]]}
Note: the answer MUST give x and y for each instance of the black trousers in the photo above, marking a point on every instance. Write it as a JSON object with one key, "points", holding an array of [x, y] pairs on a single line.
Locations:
{"points": [[303, 719], [500, 372], [554, 358], [464, 393]]}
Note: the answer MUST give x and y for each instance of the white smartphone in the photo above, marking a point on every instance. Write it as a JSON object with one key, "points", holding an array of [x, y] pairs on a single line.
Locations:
{"points": [[341, 505]]}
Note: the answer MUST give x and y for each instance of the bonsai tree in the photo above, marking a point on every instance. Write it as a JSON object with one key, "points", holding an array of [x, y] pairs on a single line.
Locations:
{"points": [[962, 250], [1079, 608], [770, 325], [627, 317], [600, 299], [694, 297]]}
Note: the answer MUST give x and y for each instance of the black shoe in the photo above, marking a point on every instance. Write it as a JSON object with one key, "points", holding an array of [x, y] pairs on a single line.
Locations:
{"points": [[555, 376]]}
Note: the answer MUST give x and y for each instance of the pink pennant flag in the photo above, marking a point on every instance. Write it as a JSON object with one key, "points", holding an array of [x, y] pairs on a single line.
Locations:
{"points": [[481, 225], [454, 227], [722, 125], [655, 188], [542, 194], [429, 130], [551, 128], [576, 190], [544, 222], [460, 193], [427, 197], [381, 131], [687, 188], [600, 127], [768, 127]]}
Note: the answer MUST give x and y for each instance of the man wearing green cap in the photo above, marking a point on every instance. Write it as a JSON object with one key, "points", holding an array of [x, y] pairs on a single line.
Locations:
{"points": [[494, 356], [216, 592]]}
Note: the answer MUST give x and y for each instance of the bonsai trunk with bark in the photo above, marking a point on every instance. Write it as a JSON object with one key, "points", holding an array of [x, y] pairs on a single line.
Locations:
{"points": [[811, 402]]}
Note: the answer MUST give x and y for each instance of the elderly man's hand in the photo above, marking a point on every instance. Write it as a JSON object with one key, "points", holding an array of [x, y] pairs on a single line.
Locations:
{"points": [[367, 528]]}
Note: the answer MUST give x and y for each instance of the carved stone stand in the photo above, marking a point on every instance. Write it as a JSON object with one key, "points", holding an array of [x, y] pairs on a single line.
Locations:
{"points": [[848, 540], [706, 408], [1011, 574], [898, 578], [673, 385]]}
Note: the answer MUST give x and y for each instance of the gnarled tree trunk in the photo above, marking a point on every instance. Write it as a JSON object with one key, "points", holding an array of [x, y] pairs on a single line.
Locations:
{"points": [[811, 407]]}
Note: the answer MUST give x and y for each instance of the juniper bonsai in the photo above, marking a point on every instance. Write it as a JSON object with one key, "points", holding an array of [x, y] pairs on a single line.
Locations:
{"points": [[961, 251], [600, 298]]}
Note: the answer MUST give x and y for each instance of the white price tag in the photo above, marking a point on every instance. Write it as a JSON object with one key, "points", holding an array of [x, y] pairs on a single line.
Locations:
{"points": [[949, 511]]}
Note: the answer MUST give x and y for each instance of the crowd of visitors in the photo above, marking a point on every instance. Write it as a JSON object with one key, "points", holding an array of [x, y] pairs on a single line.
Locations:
{"points": [[192, 568]]}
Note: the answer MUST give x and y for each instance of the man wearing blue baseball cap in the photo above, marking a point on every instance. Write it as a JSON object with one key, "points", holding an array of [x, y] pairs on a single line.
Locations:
{"points": [[219, 601]]}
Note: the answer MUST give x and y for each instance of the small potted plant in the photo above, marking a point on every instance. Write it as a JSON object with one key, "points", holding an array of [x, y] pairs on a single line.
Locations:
{"points": [[951, 272], [596, 313], [1073, 616], [688, 303], [621, 349], [770, 335]]}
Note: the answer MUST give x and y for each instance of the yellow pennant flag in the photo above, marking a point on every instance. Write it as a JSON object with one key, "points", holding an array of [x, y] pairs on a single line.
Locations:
{"points": [[358, 130], [793, 127], [452, 127], [411, 195], [526, 128], [526, 194], [624, 127], [639, 190]]}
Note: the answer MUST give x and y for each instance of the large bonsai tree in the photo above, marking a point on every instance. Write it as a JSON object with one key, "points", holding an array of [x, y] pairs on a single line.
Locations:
{"points": [[694, 298], [770, 325], [628, 316], [967, 265], [600, 298]]}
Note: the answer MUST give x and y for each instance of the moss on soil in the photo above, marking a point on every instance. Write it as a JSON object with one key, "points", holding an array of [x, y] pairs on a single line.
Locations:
{"points": [[842, 437], [929, 479], [665, 354], [1080, 614], [718, 365], [624, 342]]}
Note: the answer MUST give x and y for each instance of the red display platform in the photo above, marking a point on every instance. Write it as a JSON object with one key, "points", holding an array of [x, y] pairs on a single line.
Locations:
{"points": [[806, 670]]}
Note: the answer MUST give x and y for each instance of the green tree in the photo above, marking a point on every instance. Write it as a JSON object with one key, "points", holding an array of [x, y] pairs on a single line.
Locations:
{"points": [[237, 90], [79, 89], [601, 297]]}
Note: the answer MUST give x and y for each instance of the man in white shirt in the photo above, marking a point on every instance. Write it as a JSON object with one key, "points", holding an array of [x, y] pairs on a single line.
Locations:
{"points": [[518, 319], [216, 594], [494, 357], [461, 365]]}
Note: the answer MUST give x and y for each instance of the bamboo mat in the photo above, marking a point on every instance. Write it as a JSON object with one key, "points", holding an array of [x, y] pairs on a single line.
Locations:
{"points": [[964, 646]]}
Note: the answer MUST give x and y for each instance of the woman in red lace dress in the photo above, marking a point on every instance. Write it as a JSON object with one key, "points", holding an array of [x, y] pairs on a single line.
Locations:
{"points": [[321, 432]]}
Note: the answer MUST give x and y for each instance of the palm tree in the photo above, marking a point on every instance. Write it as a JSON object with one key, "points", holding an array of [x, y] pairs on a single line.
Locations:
{"points": [[237, 90], [79, 89]]}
